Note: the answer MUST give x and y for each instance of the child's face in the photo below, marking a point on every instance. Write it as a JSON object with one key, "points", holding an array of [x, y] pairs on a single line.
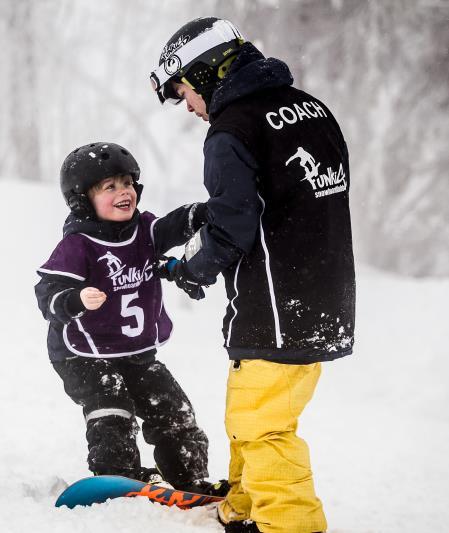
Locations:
{"points": [[114, 198]]}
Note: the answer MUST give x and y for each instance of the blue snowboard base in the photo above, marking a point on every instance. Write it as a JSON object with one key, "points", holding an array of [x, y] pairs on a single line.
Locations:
{"points": [[98, 489]]}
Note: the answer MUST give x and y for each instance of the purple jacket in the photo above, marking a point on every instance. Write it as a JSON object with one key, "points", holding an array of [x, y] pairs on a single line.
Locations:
{"points": [[132, 321]]}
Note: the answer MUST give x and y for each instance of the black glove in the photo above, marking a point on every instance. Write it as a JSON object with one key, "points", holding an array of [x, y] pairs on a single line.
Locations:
{"points": [[176, 270], [184, 280]]}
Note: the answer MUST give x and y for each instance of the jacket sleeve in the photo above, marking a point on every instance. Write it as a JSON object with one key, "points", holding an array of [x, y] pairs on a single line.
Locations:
{"points": [[233, 210], [178, 226], [58, 298]]}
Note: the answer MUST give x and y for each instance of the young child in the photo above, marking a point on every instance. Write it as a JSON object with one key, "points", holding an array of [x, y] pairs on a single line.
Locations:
{"points": [[107, 318]]}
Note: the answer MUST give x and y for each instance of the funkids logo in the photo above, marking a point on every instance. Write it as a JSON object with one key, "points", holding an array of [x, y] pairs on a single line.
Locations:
{"points": [[323, 184], [125, 280]]}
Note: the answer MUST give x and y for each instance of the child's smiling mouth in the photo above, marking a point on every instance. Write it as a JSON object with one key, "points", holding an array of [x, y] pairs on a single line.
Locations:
{"points": [[124, 204]]}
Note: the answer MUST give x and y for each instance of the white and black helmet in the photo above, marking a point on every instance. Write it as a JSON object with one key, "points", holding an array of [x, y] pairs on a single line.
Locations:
{"points": [[198, 54]]}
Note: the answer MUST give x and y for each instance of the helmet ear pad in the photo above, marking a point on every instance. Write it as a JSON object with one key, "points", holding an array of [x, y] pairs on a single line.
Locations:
{"points": [[80, 205], [204, 78], [138, 188]]}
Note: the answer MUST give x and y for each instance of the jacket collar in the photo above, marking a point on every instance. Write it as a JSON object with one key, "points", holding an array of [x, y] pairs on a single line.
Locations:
{"points": [[106, 231], [250, 72]]}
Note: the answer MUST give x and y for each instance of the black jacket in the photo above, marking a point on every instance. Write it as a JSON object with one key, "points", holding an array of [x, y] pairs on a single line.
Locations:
{"points": [[276, 167]]}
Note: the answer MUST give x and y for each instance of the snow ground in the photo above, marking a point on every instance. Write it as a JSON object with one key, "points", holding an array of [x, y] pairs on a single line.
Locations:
{"points": [[377, 426]]}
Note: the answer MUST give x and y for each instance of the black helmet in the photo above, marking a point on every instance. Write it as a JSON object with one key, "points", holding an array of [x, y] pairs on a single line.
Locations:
{"points": [[88, 165], [198, 54]]}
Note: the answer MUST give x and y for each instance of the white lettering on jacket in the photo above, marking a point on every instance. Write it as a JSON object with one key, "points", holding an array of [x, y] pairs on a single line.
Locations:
{"points": [[287, 115]]}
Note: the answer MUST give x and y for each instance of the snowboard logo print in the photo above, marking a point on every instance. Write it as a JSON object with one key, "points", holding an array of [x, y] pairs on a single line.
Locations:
{"points": [[113, 263], [323, 184], [121, 279], [307, 161]]}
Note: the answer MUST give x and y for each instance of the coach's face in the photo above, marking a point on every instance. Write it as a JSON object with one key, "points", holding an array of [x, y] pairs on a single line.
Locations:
{"points": [[194, 101]]}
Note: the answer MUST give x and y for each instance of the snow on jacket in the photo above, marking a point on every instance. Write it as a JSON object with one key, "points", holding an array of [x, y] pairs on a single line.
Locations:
{"points": [[276, 168]]}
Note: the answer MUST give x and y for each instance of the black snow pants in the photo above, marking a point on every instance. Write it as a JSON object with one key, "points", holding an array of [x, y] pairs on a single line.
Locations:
{"points": [[112, 393]]}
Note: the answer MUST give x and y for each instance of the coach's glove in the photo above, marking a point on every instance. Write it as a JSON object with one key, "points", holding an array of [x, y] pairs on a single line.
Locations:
{"points": [[184, 279], [176, 270], [198, 216]]}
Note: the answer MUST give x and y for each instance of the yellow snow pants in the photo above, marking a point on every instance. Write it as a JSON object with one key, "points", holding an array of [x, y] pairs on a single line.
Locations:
{"points": [[269, 471]]}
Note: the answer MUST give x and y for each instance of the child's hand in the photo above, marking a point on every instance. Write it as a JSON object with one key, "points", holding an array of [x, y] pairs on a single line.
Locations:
{"points": [[92, 298]]}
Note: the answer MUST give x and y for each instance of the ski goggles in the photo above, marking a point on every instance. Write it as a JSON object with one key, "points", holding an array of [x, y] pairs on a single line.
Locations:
{"points": [[174, 65]]}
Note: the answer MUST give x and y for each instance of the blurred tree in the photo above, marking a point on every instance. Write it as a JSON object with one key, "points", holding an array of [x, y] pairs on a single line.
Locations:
{"points": [[22, 91], [385, 70]]}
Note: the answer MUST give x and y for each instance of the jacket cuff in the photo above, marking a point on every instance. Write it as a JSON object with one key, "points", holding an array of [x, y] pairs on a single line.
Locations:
{"points": [[198, 216], [73, 304]]}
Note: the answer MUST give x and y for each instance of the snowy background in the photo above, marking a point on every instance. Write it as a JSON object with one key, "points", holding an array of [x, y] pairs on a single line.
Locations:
{"points": [[77, 71]]}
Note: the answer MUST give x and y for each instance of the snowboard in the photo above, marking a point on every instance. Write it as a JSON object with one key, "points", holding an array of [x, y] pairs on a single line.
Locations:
{"points": [[98, 489]]}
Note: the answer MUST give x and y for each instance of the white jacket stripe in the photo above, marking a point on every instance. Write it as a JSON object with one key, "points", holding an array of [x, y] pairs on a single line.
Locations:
{"points": [[232, 302], [277, 328], [88, 337], [52, 303]]}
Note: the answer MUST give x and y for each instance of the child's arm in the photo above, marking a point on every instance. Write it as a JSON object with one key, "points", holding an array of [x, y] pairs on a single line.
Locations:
{"points": [[62, 300], [178, 226], [59, 298]]}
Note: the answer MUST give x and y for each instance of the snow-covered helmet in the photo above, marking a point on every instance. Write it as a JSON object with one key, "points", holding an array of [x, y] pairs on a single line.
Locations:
{"points": [[198, 54], [88, 165]]}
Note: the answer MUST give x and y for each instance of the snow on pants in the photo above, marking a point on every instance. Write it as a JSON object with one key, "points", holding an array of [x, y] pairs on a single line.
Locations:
{"points": [[269, 472], [113, 392]]}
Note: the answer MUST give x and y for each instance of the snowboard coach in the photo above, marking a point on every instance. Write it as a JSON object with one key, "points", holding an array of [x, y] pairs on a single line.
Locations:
{"points": [[279, 231]]}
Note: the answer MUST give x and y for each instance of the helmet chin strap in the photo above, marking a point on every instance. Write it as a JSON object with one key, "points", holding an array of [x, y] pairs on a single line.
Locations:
{"points": [[138, 188], [207, 97], [80, 205]]}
